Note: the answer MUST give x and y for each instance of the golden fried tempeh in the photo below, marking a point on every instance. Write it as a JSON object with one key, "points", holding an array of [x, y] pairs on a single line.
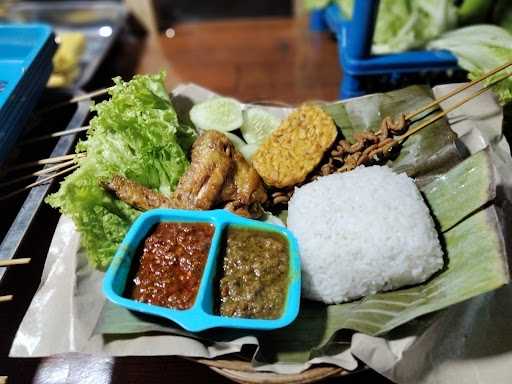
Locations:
{"points": [[294, 149]]}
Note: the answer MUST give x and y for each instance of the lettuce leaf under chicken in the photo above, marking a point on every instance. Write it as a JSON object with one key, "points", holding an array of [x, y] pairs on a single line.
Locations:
{"points": [[136, 134]]}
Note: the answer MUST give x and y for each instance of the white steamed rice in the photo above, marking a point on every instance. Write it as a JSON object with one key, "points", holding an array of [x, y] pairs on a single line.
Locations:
{"points": [[362, 232]]}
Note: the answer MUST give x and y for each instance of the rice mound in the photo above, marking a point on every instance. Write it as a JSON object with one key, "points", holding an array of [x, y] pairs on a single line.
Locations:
{"points": [[362, 232]]}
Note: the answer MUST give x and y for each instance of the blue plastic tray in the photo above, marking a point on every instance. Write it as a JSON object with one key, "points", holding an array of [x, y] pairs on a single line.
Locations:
{"points": [[201, 315], [26, 52]]}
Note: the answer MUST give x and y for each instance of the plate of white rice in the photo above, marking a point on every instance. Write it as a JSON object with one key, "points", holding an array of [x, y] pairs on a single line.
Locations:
{"points": [[363, 232]]}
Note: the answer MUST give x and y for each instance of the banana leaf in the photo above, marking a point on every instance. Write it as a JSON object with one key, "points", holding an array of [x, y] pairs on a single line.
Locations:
{"points": [[470, 183]]}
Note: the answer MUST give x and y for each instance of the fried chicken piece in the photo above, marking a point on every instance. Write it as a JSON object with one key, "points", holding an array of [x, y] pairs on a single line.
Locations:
{"points": [[244, 186], [253, 211], [218, 176], [210, 166], [135, 194]]}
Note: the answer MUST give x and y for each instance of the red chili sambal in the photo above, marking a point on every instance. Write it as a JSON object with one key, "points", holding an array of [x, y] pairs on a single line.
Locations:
{"points": [[171, 265]]}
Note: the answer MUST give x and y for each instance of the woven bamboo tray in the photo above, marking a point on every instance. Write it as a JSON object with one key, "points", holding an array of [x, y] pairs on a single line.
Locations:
{"points": [[242, 372]]}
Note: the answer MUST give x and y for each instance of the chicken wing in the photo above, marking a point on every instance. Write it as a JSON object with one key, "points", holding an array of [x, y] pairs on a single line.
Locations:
{"points": [[218, 176], [210, 166], [135, 194], [243, 191]]}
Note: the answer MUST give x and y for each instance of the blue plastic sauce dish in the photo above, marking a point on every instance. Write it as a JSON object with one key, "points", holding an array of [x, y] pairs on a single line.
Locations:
{"points": [[202, 314]]}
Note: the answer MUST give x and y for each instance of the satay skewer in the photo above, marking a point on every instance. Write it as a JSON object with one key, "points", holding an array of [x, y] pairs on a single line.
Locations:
{"points": [[387, 145], [20, 261], [39, 182], [6, 298], [50, 160], [56, 134], [451, 108], [41, 172], [73, 100], [456, 91]]}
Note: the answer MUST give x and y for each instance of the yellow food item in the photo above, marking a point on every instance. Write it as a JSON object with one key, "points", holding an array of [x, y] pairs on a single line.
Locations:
{"points": [[67, 59], [296, 147]]}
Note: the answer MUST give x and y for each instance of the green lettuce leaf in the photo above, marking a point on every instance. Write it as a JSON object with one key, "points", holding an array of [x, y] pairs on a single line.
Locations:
{"points": [[101, 219], [479, 49], [310, 5], [135, 134], [407, 24]]}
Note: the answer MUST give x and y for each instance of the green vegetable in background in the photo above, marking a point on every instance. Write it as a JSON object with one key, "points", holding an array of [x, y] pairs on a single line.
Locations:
{"points": [[135, 134], [408, 24], [403, 24], [475, 11], [479, 49], [503, 14], [316, 4]]}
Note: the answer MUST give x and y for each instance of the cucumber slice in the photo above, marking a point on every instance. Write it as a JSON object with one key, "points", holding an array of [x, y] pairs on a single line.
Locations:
{"points": [[248, 150], [237, 142], [219, 114], [258, 125]]}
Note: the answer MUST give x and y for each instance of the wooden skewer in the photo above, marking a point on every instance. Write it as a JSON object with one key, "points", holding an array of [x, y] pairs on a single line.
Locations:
{"points": [[75, 99], [453, 107], [55, 134], [39, 182], [50, 160], [6, 298], [8, 263], [436, 102], [37, 173]]}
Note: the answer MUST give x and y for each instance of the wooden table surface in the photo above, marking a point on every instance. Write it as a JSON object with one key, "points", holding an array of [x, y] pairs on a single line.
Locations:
{"points": [[258, 59], [262, 59]]}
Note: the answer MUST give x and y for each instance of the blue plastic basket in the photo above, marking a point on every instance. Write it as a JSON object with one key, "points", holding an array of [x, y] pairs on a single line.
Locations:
{"points": [[355, 38], [26, 52]]}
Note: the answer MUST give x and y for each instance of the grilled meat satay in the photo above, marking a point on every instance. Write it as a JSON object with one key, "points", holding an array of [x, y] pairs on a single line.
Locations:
{"points": [[135, 194]]}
